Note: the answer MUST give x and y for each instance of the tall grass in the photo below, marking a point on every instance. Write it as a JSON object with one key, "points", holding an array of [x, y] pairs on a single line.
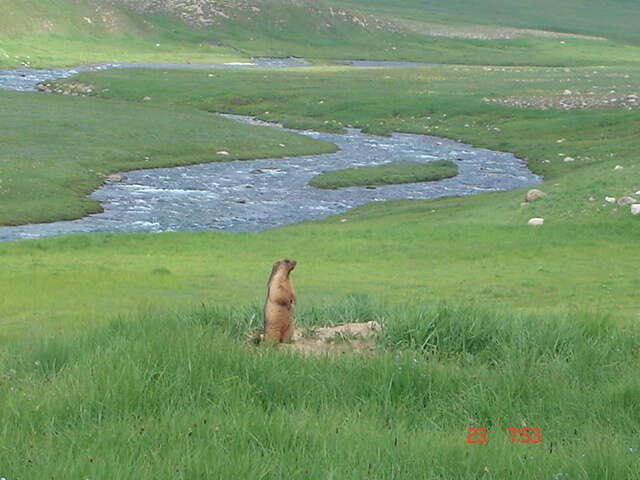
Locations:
{"points": [[184, 396]]}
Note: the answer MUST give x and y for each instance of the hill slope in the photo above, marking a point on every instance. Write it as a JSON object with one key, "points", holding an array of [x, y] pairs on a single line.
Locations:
{"points": [[40, 32], [606, 18]]}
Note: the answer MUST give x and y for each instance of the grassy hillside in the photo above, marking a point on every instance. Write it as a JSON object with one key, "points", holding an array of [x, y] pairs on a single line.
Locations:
{"points": [[605, 18], [66, 32]]}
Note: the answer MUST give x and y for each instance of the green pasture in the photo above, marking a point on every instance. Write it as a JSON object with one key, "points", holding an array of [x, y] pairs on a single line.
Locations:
{"points": [[124, 355], [183, 396], [392, 173]]}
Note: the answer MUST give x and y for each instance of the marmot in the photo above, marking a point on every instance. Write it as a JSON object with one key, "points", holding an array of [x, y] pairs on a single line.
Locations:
{"points": [[278, 308]]}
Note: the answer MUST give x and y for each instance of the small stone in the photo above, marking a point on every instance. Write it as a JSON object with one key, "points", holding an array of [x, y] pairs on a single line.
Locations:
{"points": [[536, 222], [626, 201], [146, 99], [222, 152], [591, 199], [569, 159], [567, 92], [241, 201], [618, 167], [369, 187], [610, 199], [257, 171], [343, 220], [115, 177], [635, 209], [534, 194]]}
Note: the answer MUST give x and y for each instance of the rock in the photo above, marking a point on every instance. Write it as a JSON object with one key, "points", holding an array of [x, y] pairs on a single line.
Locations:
{"points": [[257, 171], [638, 192], [534, 194], [369, 187], [241, 201], [591, 199], [610, 199], [222, 152], [626, 201], [146, 99], [635, 209], [536, 222], [115, 177], [569, 159], [618, 167], [567, 92]]}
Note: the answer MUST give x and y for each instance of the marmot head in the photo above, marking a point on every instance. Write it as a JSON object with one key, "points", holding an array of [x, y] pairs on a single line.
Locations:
{"points": [[286, 264]]}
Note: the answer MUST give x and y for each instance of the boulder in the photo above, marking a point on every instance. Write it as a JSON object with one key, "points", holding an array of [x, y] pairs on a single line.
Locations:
{"points": [[626, 201], [635, 209], [536, 222], [534, 194]]}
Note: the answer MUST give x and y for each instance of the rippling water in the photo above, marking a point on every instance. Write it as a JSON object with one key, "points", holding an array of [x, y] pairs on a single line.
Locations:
{"points": [[260, 194]]}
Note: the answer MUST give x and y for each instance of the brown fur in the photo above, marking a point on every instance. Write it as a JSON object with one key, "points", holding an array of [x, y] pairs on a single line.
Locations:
{"points": [[278, 308]]}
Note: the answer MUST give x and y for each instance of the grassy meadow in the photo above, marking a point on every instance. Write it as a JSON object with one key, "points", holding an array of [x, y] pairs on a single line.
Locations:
{"points": [[124, 355], [388, 174]]}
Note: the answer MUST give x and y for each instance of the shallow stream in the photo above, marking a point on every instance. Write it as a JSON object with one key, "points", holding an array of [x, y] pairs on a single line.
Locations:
{"points": [[260, 194]]}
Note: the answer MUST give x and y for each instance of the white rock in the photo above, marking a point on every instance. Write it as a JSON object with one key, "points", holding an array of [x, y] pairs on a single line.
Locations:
{"points": [[536, 222], [626, 201], [222, 152], [569, 159], [534, 194], [618, 167], [610, 199], [638, 192], [146, 99], [567, 92], [635, 209]]}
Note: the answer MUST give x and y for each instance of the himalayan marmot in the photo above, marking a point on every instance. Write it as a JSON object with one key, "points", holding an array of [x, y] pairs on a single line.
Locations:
{"points": [[278, 309]]}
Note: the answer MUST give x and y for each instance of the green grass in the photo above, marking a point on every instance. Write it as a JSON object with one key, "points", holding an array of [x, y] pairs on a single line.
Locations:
{"points": [[124, 355], [387, 174], [182, 395], [57, 149], [67, 32], [588, 17]]}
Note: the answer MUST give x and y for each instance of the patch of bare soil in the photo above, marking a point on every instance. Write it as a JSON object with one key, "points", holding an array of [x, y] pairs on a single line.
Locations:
{"points": [[337, 340]]}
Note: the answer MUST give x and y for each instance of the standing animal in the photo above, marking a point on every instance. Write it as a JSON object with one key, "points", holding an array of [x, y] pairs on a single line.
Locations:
{"points": [[278, 308]]}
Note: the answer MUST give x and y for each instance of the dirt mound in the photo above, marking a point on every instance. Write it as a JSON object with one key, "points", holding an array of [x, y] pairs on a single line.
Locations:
{"points": [[347, 338]]}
